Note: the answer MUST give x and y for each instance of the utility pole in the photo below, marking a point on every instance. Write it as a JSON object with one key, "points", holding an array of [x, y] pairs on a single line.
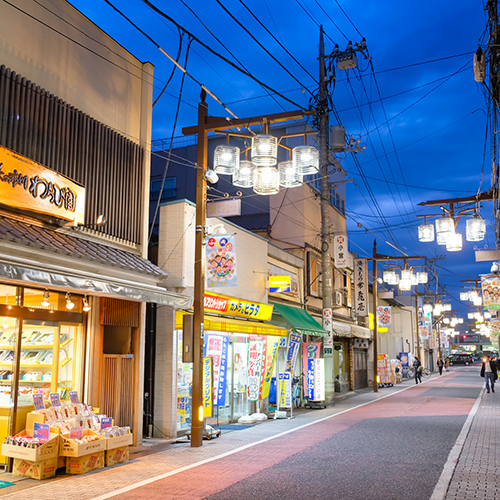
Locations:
{"points": [[326, 259]]}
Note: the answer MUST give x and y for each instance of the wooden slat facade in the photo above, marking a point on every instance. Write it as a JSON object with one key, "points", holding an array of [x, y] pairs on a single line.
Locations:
{"points": [[42, 127], [117, 312]]}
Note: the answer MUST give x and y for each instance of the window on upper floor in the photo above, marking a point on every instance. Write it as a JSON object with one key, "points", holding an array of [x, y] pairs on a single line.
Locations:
{"points": [[169, 189]]}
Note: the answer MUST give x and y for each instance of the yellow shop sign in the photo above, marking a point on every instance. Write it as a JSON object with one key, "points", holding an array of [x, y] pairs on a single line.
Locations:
{"points": [[27, 185], [237, 307]]}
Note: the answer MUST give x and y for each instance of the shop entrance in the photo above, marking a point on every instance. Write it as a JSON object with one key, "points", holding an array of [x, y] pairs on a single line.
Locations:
{"points": [[360, 369]]}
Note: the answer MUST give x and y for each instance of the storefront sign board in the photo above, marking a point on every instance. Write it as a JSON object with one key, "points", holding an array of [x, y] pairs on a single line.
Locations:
{"points": [[319, 379], [207, 387], [225, 208], [222, 304], [280, 284], [27, 185], [217, 346], [221, 261], [360, 287], [254, 368], [285, 380], [270, 360], [293, 351]]}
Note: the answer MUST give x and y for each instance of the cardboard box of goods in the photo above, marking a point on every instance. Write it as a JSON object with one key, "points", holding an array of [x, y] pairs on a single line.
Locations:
{"points": [[71, 448], [35, 470], [119, 441], [117, 456], [87, 463], [31, 418], [46, 451]]}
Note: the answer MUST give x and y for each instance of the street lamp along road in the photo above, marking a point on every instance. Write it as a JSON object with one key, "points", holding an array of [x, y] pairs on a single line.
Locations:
{"points": [[217, 124]]}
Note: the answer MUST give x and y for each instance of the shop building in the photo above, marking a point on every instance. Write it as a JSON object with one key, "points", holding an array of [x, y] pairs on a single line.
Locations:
{"points": [[74, 191]]}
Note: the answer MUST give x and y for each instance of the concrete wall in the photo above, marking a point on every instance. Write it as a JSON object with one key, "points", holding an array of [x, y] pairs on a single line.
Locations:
{"points": [[80, 64]]}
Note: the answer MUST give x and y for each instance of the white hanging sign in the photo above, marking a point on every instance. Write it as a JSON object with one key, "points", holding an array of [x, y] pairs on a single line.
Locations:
{"points": [[360, 287], [340, 251]]}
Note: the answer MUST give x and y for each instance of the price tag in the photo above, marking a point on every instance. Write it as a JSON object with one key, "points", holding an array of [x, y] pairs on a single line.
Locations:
{"points": [[76, 433], [38, 401], [73, 397], [106, 422], [41, 431], [54, 399]]}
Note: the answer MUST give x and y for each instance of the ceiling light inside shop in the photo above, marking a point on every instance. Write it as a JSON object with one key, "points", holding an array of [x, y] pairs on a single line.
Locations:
{"points": [[69, 303], [45, 301]]}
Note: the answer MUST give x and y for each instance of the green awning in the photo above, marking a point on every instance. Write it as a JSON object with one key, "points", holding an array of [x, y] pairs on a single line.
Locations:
{"points": [[299, 319]]}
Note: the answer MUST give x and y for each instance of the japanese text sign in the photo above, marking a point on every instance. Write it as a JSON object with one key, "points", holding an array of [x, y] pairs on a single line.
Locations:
{"points": [[221, 261], [310, 350], [285, 391], [27, 185], [207, 387], [106, 422], [41, 431], [76, 432], [38, 401], [214, 302], [384, 316], [280, 284], [360, 287], [254, 368], [293, 351], [73, 397], [54, 399], [270, 359], [340, 251], [216, 346]]}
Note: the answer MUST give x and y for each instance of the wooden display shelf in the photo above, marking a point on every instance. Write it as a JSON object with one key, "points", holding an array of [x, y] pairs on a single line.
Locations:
{"points": [[35, 346], [64, 362], [25, 382]]}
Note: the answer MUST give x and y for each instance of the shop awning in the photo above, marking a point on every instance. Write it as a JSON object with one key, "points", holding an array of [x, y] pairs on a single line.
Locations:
{"points": [[361, 332], [233, 325], [300, 320], [92, 284], [341, 329]]}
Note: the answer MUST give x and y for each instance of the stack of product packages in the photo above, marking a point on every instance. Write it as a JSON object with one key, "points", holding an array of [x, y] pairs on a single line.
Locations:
{"points": [[68, 435]]}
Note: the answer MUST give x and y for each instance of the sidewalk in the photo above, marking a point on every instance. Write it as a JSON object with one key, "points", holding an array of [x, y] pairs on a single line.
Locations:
{"points": [[476, 475]]}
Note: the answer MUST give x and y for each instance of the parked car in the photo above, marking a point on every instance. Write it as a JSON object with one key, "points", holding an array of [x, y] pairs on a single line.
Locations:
{"points": [[461, 359]]}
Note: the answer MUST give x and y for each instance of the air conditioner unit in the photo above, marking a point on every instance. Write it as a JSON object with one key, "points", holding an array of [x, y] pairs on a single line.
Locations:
{"points": [[338, 298]]}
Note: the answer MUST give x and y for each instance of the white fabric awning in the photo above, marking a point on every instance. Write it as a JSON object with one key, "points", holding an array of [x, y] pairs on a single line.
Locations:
{"points": [[361, 332], [79, 281]]}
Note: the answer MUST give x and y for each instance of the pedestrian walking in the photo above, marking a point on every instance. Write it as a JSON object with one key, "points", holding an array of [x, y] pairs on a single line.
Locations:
{"points": [[417, 369], [489, 373], [447, 365], [440, 366]]}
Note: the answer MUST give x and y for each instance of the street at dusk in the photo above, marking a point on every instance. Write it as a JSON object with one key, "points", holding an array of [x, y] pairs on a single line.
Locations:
{"points": [[249, 250]]}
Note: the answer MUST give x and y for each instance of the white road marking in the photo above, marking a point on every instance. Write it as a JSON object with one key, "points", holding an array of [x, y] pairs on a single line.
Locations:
{"points": [[241, 448], [441, 487]]}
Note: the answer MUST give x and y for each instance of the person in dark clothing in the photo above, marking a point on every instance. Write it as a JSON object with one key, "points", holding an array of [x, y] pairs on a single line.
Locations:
{"points": [[418, 373], [440, 365], [489, 373]]}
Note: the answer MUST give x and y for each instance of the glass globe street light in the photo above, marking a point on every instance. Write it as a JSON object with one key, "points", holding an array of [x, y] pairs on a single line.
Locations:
{"points": [[243, 177], [289, 175], [306, 159], [390, 276], [226, 159], [426, 233], [264, 150], [266, 181], [445, 226], [427, 308], [454, 242], [475, 229], [464, 296], [422, 277]]}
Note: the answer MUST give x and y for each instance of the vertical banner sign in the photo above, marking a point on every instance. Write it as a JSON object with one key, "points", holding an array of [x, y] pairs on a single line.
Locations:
{"points": [[360, 287], [38, 402], [285, 390], [270, 359], [254, 368], [221, 261], [328, 326], [310, 350], [491, 293], [293, 351], [263, 369], [423, 329], [310, 379], [207, 387], [319, 379], [340, 247], [384, 316], [403, 357], [216, 346]]}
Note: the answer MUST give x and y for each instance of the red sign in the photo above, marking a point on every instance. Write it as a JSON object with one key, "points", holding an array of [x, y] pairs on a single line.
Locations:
{"points": [[215, 303]]}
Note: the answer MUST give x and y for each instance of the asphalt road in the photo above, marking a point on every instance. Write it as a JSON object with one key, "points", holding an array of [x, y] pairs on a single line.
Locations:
{"points": [[393, 448]]}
